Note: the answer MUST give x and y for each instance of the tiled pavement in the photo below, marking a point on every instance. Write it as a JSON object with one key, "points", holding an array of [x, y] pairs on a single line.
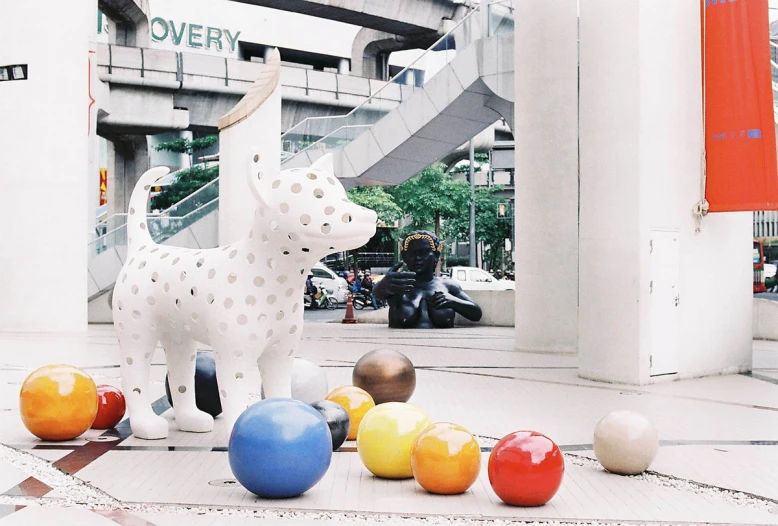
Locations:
{"points": [[717, 432]]}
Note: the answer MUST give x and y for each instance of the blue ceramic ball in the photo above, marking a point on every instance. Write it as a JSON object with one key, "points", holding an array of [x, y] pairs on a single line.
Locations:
{"points": [[280, 448]]}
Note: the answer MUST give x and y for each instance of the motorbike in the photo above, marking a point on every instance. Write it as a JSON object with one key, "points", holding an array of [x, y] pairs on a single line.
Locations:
{"points": [[323, 299], [360, 300]]}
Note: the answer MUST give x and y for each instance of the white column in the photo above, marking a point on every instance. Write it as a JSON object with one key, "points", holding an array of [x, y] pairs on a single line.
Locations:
{"points": [[252, 127], [343, 66], [44, 176], [546, 175], [641, 141]]}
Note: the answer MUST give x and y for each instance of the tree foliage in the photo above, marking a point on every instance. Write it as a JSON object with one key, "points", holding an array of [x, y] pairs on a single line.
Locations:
{"points": [[184, 145], [463, 168], [188, 180], [489, 228], [432, 196], [376, 199]]}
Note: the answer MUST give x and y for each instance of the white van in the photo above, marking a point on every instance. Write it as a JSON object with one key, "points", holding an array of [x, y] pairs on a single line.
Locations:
{"points": [[326, 278], [472, 278]]}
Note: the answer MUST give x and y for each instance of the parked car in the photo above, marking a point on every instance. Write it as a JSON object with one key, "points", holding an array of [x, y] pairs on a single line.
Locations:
{"points": [[473, 278], [324, 277]]}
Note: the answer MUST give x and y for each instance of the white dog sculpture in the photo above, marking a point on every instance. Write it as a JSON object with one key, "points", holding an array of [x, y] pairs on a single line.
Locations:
{"points": [[244, 299]]}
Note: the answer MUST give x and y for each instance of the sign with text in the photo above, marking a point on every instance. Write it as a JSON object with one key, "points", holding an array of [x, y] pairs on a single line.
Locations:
{"points": [[739, 122], [194, 35]]}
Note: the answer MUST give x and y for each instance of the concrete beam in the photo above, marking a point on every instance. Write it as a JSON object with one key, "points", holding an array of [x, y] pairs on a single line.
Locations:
{"points": [[370, 45], [131, 18], [400, 17]]}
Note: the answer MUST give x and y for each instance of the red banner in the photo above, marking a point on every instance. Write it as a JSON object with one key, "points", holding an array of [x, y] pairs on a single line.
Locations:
{"points": [[739, 123]]}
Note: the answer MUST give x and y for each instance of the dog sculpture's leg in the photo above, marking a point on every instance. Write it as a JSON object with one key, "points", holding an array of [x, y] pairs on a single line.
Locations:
{"points": [[231, 370], [275, 368], [181, 363], [135, 369]]}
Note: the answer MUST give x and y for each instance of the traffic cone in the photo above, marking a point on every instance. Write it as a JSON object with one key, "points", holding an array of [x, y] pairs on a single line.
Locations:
{"points": [[349, 311]]}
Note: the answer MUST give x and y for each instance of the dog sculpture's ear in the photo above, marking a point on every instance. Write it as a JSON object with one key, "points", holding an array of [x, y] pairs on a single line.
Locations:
{"points": [[255, 173], [325, 163]]}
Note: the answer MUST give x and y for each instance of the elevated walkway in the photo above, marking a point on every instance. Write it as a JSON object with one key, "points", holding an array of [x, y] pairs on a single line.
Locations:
{"points": [[148, 91], [465, 97], [399, 17]]}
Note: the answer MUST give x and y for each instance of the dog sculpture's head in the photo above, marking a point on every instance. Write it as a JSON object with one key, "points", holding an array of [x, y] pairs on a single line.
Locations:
{"points": [[309, 206]]}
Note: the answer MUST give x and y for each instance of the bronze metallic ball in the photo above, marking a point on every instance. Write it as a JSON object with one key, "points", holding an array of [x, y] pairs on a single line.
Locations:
{"points": [[387, 375]]}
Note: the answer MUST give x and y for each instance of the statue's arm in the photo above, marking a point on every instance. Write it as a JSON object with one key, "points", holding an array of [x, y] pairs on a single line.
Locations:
{"points": [[462, 303], [381, 290], [394, 283]]}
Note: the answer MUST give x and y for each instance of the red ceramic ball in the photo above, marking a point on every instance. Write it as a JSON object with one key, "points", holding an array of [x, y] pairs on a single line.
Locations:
{"points": [[110, 407], [526, 468]]}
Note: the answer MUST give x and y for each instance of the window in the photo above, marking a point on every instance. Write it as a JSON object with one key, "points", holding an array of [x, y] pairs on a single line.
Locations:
{"points": [[15, 72], [461, 276], [319, 273], [479, 276]]}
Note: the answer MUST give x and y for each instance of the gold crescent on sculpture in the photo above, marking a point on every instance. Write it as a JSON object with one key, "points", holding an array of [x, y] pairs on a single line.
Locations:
{"points": [[258, 92]]}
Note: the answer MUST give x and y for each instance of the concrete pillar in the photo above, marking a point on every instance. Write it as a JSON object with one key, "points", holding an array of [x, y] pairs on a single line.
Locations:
{"points": [[546, 175], [43, 184], [343, 66], [129, 159], [641, 144]]}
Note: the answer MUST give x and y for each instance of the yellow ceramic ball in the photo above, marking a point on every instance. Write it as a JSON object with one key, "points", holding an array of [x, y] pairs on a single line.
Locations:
{"points": [[385, 438]]}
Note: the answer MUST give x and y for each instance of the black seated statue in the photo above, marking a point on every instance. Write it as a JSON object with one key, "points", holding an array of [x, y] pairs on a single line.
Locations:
{"points": [[419, 299]]}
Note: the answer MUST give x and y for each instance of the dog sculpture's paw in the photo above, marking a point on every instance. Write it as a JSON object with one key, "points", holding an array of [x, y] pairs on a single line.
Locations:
{"points": [[194, 421], [149, 427]]}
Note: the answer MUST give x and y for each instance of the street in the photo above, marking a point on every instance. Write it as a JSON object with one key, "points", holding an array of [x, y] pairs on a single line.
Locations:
{"points": [[325, 315]]}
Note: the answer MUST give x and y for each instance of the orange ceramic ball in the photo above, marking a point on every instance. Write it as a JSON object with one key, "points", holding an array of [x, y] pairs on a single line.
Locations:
{"points": [[58, 402], [446, 459], [110, 407], [356, 401]]}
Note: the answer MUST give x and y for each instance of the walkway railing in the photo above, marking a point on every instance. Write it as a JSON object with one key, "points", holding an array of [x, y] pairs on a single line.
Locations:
{"points": [[163, 225], [338, 131]]}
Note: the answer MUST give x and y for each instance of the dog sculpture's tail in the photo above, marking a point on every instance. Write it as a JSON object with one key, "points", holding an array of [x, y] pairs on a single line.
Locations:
{"points": [[137, 226]]}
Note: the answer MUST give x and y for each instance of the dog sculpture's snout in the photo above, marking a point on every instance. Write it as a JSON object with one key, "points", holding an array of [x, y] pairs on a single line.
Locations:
{"points": [[365, 215]]}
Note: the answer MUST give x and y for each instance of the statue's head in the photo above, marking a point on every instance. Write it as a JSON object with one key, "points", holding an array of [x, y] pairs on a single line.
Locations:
{"points": [[420, 251]]}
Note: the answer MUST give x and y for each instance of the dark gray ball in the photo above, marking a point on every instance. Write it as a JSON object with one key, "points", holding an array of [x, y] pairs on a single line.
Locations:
{"points": [[337, 418], [206, 386]]}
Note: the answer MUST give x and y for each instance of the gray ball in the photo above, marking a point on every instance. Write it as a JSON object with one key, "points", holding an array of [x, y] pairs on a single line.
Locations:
{"points": [[309, 382], [625, 442]]}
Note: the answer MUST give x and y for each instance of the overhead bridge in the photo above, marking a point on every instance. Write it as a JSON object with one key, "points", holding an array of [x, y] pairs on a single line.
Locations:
{"points": [[398, 17], [150, 91]]}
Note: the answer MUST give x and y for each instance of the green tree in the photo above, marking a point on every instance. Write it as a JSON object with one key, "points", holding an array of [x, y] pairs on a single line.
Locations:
{"points": [[188, 180], [464, 168], [432, 196], [489, 228], [382, 203], [376, 199], [185, 146]]}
